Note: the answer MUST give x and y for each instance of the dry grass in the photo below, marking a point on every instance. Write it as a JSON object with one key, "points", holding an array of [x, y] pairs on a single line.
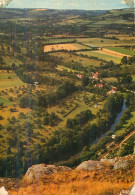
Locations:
{"points": [[57, 47], [5, 113], [66, 46], [75, 183]]}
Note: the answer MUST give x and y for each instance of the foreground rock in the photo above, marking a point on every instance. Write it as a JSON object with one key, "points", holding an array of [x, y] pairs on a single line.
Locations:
{"points": [[3, 191], [116, 163], [90, 165], [39, 171]]}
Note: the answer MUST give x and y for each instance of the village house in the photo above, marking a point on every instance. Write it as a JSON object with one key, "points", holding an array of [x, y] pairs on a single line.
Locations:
{"points": [[113, 136], [114, 88], [112, 91], [79, 76], [99, 85], [95, 75]]}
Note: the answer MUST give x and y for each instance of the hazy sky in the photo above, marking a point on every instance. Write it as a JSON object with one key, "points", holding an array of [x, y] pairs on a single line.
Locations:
{"points": [[69, 4]]}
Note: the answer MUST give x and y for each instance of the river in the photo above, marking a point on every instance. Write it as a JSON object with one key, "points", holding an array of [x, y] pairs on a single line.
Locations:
{"points": [[116, 122], [119, 116]]}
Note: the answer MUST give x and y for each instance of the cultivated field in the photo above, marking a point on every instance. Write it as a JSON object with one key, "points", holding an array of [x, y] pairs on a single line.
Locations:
{"points": [[110, 79], [68, 47], [121, 51], [102, 42], [101, 56], [112, 53], [121, 37]]}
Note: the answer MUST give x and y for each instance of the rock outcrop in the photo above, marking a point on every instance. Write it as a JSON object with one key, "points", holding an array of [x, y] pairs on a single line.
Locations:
{"points": [[121, 164], [39, 171], [116, 163], [3, 191], [90, 165]]}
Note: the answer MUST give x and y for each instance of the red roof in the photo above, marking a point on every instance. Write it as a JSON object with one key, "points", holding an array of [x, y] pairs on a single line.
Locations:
{"points": [[79, 76], [96, 75], [98, 85]]}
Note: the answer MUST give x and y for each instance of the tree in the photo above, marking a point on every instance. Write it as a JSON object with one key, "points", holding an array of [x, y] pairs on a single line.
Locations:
{"points": [[124, 60], [127, 79], [85, 80]]}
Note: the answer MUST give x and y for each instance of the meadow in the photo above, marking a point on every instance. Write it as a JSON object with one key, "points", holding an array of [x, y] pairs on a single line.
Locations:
{"points": [[122, 50], [103, 42], [71, 57], [110, 79], [100, 56], [8, 80]]}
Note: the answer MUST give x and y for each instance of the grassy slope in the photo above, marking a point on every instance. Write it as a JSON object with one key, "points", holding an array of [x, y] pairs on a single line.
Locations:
{"points": [[84, 61], [6, 82], [126, 125], [106, 181]]}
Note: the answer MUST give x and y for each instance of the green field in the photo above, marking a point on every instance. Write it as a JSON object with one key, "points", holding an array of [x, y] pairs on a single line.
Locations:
{"points": [[59, 67], [122, 50], [83, 60], [121, 36], [110, 79], [102, 42], [5, 102], [101, 56], [8, 80], [10, 60], [128, 123], [58, 40]]}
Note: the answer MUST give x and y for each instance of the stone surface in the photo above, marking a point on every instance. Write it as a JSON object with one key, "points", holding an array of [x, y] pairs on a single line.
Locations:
{"points": [[109, 161], [3, 191], [39, 171], [90, 165], [121, 164]]}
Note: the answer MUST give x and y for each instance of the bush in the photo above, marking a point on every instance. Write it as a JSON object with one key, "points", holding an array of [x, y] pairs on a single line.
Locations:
{"points": [[13, 110]]}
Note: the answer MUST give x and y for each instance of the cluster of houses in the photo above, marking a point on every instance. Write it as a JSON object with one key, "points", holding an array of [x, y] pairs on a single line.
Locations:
{"points": [[95, 76]]}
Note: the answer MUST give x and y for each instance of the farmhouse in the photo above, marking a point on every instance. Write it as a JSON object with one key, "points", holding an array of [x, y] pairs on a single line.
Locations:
{"points": [[114, 88], [98, 85], [79, 76], [113, 136], [95, 75], [111, 92]]}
